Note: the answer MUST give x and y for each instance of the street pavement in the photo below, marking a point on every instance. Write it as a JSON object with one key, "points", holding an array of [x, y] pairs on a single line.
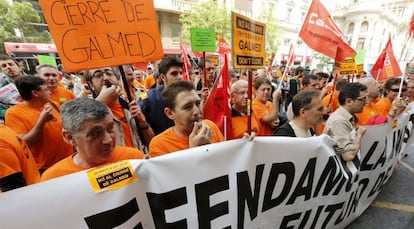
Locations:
{"points": [[394, 206]]}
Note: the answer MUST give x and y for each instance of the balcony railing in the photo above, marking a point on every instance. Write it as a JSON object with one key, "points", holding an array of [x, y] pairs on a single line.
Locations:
{"points": [[175, 5]]}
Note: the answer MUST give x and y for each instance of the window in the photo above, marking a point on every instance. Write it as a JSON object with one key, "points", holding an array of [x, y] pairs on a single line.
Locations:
{"points": [[351, 28], [361, 43], [288, 12], [364, 27]]}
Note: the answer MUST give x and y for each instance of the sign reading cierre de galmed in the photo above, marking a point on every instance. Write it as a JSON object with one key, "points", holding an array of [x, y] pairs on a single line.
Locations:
{"points": [[248, 42], [92, 34]]}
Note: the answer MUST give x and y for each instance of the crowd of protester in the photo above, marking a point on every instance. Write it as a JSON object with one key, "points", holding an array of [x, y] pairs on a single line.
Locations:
{"points": [[57, 122]]}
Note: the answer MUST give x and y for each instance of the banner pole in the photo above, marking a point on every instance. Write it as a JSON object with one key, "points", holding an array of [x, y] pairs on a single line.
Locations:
{"points": [[249, 101]]}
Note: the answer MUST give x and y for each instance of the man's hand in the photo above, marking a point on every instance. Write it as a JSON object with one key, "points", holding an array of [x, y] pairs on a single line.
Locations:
{"points": [[277, 94], [47, 114], [361, 131], [201, 135], [109, 95], [135, 111]]}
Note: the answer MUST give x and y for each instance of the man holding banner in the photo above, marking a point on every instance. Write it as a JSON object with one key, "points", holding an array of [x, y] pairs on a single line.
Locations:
{"points": [[88, 126], [341, 123], [183, 106]]}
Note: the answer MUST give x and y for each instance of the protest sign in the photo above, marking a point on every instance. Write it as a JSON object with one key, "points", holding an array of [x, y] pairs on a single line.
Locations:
{"points": [[92, 34], [203, 40], [270, 182], [348, 67], [43, 59], [248, 42]]}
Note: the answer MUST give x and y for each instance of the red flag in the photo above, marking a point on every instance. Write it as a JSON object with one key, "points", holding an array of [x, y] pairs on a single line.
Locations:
{"points": [[386, 65], [411, 27], [321, 34], [224, 47], [186, 61], [217, 106], [291, 56], [143, 66]]}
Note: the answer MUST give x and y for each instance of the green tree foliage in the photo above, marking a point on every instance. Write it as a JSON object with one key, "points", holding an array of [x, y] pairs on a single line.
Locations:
{"points": [[207, 15], [273, 32], [20, 17]]}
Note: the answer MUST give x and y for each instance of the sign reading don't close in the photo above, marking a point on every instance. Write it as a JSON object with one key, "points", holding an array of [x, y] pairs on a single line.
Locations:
{"points": [[248, 42], [92, 34]]}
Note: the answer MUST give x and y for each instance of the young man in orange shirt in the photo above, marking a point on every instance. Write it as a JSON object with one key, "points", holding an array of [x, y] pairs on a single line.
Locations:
{"points": [[37, 121], [50, 74], [17, 165], [183, 106], [88, 126]]}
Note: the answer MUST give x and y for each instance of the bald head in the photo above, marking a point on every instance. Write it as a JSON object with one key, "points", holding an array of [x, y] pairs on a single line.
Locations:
{"points": [[372, 87]]}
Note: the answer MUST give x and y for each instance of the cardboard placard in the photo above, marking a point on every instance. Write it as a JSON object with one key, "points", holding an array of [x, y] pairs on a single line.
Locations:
{"points": [[248, 42], [203, 40], [92, 34]]}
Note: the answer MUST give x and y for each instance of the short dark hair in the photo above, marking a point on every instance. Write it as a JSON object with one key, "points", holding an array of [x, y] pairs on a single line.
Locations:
{"points": [[341, 84], [260, 81], [4, 57], [322, 75], [27, 84], [351, 91], [392, 81], [303, 100], [170, 93], [168, 62], [307, 78]]}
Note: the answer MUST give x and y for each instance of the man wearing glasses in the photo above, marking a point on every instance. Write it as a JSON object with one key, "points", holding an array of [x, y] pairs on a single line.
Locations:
{"points": [[340, 124], [106, 88], [239, 115], [391, 105]]}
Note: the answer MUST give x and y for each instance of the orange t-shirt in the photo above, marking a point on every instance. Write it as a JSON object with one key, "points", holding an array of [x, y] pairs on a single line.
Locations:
{"points": [[118, 112], [61, 95], [168, 142], [334, 101], [15, 157], [149, 81], [66, 166], [239, 125], [367, 113], [50, 148], [261, 110], [383, 106]]}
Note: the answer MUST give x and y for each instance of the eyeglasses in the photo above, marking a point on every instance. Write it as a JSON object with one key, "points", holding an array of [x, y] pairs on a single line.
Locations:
{"points": [[396, 90], [363, 99], [99, 74], [240, 92]]}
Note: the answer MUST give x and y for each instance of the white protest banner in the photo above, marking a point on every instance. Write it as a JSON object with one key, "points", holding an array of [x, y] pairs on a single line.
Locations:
{"points": [[271, 182]]}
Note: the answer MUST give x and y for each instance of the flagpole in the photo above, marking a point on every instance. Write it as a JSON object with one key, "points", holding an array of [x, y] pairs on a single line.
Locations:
{"points": [[378, 74], [284, 72]]}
